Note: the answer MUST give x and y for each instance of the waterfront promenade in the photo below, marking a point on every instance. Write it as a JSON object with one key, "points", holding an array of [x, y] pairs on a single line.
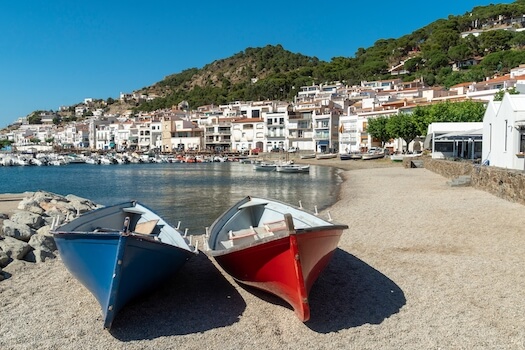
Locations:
{"points": [[422, 266]]}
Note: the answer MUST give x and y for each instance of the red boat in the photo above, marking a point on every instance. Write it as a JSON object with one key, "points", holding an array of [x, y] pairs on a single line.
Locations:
{"points": [[275, 247]]}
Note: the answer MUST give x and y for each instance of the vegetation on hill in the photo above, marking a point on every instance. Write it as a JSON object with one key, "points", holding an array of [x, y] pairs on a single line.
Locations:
{"points": [[272, 72]]}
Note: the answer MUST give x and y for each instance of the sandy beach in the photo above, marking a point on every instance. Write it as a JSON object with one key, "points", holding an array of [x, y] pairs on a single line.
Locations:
{"points": [[422, 266]]}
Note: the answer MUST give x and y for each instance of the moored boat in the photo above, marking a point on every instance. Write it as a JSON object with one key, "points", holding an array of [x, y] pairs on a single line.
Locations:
{"points": [[397, 157], [373, 154], [273, 246], [307, 156], [326, 155], [292, 168], [351, 155], [121, 251], [263, 166]]}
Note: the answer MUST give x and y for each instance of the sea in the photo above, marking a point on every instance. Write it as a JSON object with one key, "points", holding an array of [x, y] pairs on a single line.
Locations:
{"points": [[192, 194]]}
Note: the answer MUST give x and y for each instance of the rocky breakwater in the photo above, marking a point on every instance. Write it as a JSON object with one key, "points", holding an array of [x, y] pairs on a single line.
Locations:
{"points": [[25, 233]]}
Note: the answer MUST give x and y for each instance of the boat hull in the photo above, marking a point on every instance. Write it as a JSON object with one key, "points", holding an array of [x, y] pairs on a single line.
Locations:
{"points": [[326, 156], [115, 266], [286, 267], [286, 263], [293, 168], [264, 167], [372, 156]]}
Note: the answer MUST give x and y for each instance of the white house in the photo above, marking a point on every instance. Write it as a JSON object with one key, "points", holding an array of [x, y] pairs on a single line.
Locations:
{"points": [[458, 140], [504, 133], [247, 134]]}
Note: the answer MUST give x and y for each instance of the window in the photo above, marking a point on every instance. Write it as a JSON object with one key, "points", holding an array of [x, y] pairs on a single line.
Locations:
{"points": [[506, 133], [522, 141], [446, 147]]}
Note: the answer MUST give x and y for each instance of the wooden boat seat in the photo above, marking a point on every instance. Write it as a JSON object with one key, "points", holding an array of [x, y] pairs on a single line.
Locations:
{"points": [[252, 234], [147, 227], [233, 235], [276, 226]]}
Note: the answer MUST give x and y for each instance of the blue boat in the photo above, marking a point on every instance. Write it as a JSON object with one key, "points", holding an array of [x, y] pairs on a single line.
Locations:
{"points": [[121, 251]]}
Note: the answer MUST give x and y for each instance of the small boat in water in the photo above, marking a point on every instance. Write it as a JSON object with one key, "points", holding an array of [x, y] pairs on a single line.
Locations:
{"points": [[275, 247], [292, 168], [120, 251], [263, 166]]}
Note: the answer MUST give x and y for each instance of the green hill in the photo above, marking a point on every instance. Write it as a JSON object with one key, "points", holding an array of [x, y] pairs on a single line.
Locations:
{"points": [[272, 72]]}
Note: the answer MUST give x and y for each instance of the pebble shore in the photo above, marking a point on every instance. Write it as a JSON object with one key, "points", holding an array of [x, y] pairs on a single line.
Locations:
{"points": [[422, 266]]}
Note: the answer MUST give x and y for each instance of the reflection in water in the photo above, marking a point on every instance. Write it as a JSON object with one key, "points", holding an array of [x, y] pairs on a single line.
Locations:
{"points": [[195, 194]]}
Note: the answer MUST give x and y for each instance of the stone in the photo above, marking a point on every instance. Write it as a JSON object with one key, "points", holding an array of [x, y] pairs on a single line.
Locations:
{"points": [[14, 248], [39, 256], [19, 231], [44, 230], [29, 204], [43, 242], [4, 259], [28, 218]]}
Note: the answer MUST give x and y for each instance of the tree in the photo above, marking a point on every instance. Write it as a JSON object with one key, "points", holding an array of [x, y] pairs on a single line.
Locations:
{"points": [[5, 143], [498, 96], [495, 40], [403, 126], [459, 53], [35, 118], [377, 129]]}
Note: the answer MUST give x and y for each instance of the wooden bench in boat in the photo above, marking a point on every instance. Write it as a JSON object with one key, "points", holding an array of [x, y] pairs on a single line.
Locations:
{"points": [[146, 228], [252, 234]]}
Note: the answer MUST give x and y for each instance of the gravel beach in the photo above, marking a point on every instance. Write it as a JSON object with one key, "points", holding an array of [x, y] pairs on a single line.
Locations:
{"points": [[422, 266]]}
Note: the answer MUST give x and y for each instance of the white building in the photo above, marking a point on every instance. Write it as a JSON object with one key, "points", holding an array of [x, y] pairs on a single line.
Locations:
{"points": [[455, 140], [275, 130], [247, 134], [504, 133]]}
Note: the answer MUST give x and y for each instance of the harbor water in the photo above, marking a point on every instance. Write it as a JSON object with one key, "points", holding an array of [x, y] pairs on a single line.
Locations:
{"points": [[192, 194]]}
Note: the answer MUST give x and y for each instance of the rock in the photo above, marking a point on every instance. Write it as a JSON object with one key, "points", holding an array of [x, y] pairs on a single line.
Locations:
{"points": [[44, 230], [38, 256], [14, 248], [16, 230], [30, 219], [31, 205], [81, 205], [4, 259], [43, 242], [25, 236]]}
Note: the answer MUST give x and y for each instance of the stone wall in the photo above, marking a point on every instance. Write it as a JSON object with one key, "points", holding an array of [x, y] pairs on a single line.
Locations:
{"points": [[504, 183]]}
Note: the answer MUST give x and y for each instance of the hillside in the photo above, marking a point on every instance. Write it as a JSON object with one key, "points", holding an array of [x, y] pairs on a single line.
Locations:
{"points": [[493, 37], [428, 53]]}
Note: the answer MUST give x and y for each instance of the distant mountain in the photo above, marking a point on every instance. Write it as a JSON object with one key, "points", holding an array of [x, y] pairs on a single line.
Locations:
{"points": [[496, 42]]}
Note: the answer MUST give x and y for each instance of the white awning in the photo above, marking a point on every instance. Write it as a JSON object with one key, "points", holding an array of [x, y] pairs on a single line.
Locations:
{"points": [[457, 134], [519, 124]]}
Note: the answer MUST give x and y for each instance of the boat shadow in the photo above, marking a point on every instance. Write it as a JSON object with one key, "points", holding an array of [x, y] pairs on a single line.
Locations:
{"points": [[349, 293], [182, 305]]}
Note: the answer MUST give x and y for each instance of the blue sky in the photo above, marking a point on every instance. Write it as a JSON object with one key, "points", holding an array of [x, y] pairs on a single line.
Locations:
{"points": [[58, 52]]}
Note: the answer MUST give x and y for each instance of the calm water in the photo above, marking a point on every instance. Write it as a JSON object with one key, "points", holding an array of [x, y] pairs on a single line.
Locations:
{"points": [[194, 194]]}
